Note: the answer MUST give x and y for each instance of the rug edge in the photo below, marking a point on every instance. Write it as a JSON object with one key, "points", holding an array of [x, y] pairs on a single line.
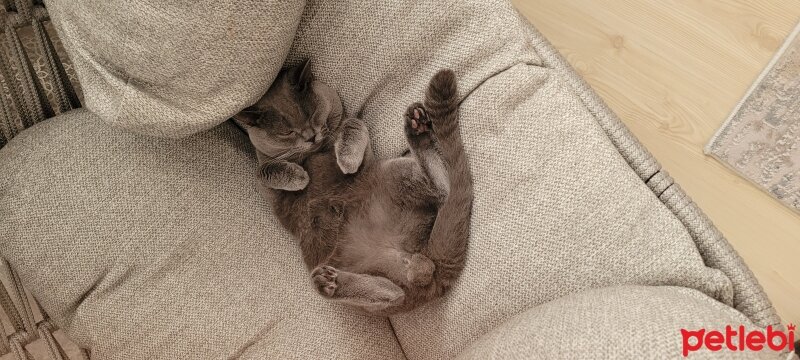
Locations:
{"points": [[758, 186], [708, 149]]}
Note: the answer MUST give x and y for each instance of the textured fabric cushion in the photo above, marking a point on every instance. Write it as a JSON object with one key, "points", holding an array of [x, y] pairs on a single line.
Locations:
{"points": [[143, 248], [629, 322], [165, 236], [172, 68], [557, 208]]}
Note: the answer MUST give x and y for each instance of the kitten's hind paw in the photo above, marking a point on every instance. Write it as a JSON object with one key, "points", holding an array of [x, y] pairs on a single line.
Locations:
{"points": [[325, 280], [417, 121], [419, 270], [419, 132]]}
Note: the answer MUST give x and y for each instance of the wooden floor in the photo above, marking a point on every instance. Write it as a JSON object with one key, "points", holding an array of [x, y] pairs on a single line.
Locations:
{"points": [[673, 70]]}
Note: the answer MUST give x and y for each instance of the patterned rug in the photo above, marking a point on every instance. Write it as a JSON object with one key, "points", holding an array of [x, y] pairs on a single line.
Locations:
{"points": [[761, 138]]}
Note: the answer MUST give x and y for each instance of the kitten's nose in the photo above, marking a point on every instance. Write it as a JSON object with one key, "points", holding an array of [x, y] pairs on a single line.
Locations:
{"points": [[308, 135]]}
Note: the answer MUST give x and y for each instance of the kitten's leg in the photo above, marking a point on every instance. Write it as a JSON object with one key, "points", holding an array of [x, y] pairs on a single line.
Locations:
{"points": [[283, 175], [433, 135], [419, 269], [410, 269], [402, 267], [351, 145], [441, 104], [425, 147], [447, 242], [368, 292]]}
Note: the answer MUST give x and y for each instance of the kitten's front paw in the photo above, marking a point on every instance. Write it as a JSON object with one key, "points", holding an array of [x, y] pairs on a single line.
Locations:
{"points": [[284, 176], [299, 182], [349, 162], [351, 145], [325, 280]]}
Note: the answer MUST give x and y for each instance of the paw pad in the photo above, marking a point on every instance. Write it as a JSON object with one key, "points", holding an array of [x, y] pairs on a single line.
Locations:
{"points": [[325, 280], [417, 121]]}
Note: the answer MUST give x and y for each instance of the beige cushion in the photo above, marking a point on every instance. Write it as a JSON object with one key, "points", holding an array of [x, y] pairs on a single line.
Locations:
{"points": [[627, 322], [143, 248], [557, 208], [172, 68]]}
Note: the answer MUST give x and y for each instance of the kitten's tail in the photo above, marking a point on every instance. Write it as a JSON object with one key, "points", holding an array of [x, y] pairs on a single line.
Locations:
{"points": [[447, 245]]}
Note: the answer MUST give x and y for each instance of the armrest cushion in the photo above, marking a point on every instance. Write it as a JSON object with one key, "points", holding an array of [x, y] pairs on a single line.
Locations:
{"points": [[625, 322]]}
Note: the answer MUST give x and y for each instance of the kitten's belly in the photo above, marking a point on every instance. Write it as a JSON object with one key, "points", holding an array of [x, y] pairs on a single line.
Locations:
{"points": [[393, 217], [380, 233], [370, 216]]}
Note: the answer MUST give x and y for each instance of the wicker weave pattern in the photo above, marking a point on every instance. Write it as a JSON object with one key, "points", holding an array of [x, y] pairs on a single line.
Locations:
{"points": [[35, 86], [27, 332], [35, 82]]}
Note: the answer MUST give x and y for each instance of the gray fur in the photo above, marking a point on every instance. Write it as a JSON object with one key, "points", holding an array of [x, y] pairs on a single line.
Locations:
{"points": [[380, 235]]}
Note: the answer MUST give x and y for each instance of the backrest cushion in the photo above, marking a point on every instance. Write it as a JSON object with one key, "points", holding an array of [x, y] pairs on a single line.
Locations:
{"points": [[173, 68]]}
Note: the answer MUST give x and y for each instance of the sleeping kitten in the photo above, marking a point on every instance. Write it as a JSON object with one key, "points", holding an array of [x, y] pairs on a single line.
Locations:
{"points": [[381, 235]]}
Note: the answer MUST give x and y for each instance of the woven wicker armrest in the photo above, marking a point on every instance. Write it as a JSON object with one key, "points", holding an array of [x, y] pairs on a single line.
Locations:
{"points": [[37, 78], [37, 83]]}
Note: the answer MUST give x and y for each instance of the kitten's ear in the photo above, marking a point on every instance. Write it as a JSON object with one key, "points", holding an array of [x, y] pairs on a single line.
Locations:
{"points": [[247, 117], [300, 75]]}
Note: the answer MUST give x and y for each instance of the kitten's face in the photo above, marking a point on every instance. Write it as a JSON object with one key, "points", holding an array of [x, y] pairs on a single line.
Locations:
{"points": [[296, 116]]}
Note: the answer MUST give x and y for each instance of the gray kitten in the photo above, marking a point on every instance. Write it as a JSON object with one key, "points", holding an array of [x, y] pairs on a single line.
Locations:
{"points": [[381, 235]]}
